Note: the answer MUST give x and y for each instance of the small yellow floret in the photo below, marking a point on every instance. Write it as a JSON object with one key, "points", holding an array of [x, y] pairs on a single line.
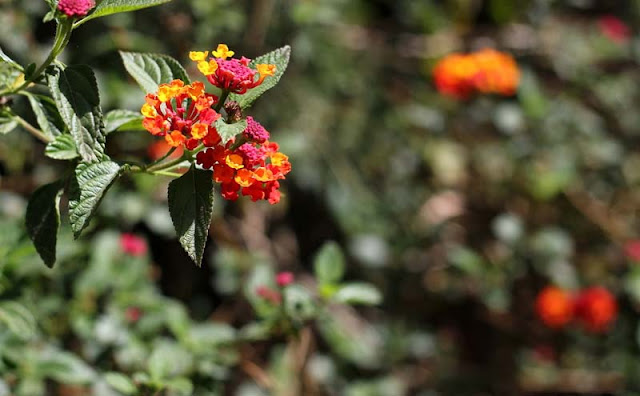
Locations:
{"points": [[165, 92], [234, 161], [266, 69], [208, 68], [198, 131], [198, 56], [278, 159], [222, 52], [148, 111]]}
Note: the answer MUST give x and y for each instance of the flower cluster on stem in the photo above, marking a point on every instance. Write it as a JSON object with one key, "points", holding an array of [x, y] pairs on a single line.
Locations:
{"points": [[185, 115]]}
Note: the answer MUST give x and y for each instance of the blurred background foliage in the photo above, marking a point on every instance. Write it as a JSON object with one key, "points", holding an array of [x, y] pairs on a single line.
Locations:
{"points": [[458, 211]]}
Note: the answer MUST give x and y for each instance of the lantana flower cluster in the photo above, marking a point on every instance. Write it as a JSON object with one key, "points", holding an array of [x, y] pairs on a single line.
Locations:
{"points": [[486, 71], [185, 115], [253, 168], [232, 75], [594, 307]]}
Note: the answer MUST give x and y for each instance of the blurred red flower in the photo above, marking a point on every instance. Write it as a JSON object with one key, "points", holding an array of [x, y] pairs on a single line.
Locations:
{"points": [[596, 308], [614, 29]]}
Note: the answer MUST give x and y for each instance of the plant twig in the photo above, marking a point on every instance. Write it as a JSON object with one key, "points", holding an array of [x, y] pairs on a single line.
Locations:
{"points": [[258, 374], [33, 130]]}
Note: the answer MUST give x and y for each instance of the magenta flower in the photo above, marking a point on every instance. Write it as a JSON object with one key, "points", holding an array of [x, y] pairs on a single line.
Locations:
{"points": [[284, 278], [133, 245], [76, 8]]}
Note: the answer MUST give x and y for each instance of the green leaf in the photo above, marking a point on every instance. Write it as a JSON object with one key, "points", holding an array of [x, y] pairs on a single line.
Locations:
{"points": [[123, 120], [62, 148], [358, 293], [75, 92], [43, 220], [7, 124], [329, 264], [280, 58], [180, 386], [121, 383], [65, 367], [46, 113], [191, 208], [18, 319], [49, 16], [168, 359], [29, 70], [87, 190], [10, 76], [5, 58], [151, 70], [228, 131], [108, 7]]}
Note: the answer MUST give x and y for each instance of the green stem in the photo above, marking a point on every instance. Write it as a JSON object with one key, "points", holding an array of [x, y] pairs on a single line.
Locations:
{"points": [[223, 98], [33, 130], [166, 165], [166, 173], [63, 34], [164, 157]]}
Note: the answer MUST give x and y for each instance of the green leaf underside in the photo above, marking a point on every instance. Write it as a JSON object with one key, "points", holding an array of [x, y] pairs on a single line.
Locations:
{"points": [[123, 120], [62, 148], [7, 125], [280, 58], [86, 191], [151, 70], [5, 58], [18, 319], [191, 208], [329, 264], [75, 92], [228, 131], [48, 120], [358, 293], [43, 220], [121, 383], [9, 76], [108, 7]]}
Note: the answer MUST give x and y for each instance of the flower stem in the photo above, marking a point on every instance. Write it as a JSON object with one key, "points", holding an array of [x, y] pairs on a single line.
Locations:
{"points": [[166, 165], [163, 157], [223, 98], [63, 34], [33, 130]]}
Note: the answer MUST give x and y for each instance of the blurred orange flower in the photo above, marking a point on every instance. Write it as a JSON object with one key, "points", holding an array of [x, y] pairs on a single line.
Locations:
{"points": [[485, 71], [554, 306]]}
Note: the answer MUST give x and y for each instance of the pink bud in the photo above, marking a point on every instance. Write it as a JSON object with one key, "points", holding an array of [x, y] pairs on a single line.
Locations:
{"points": [[133, 314]]}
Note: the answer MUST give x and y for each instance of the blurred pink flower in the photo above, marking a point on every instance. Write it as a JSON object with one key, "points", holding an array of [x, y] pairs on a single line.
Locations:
{"points": [[133, 245], [268, 294], [614, 28], [284, 278], [632, 250]]}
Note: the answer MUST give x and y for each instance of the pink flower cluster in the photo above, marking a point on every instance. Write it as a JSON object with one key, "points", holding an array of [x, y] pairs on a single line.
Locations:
{"points": [[76, 8]]}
